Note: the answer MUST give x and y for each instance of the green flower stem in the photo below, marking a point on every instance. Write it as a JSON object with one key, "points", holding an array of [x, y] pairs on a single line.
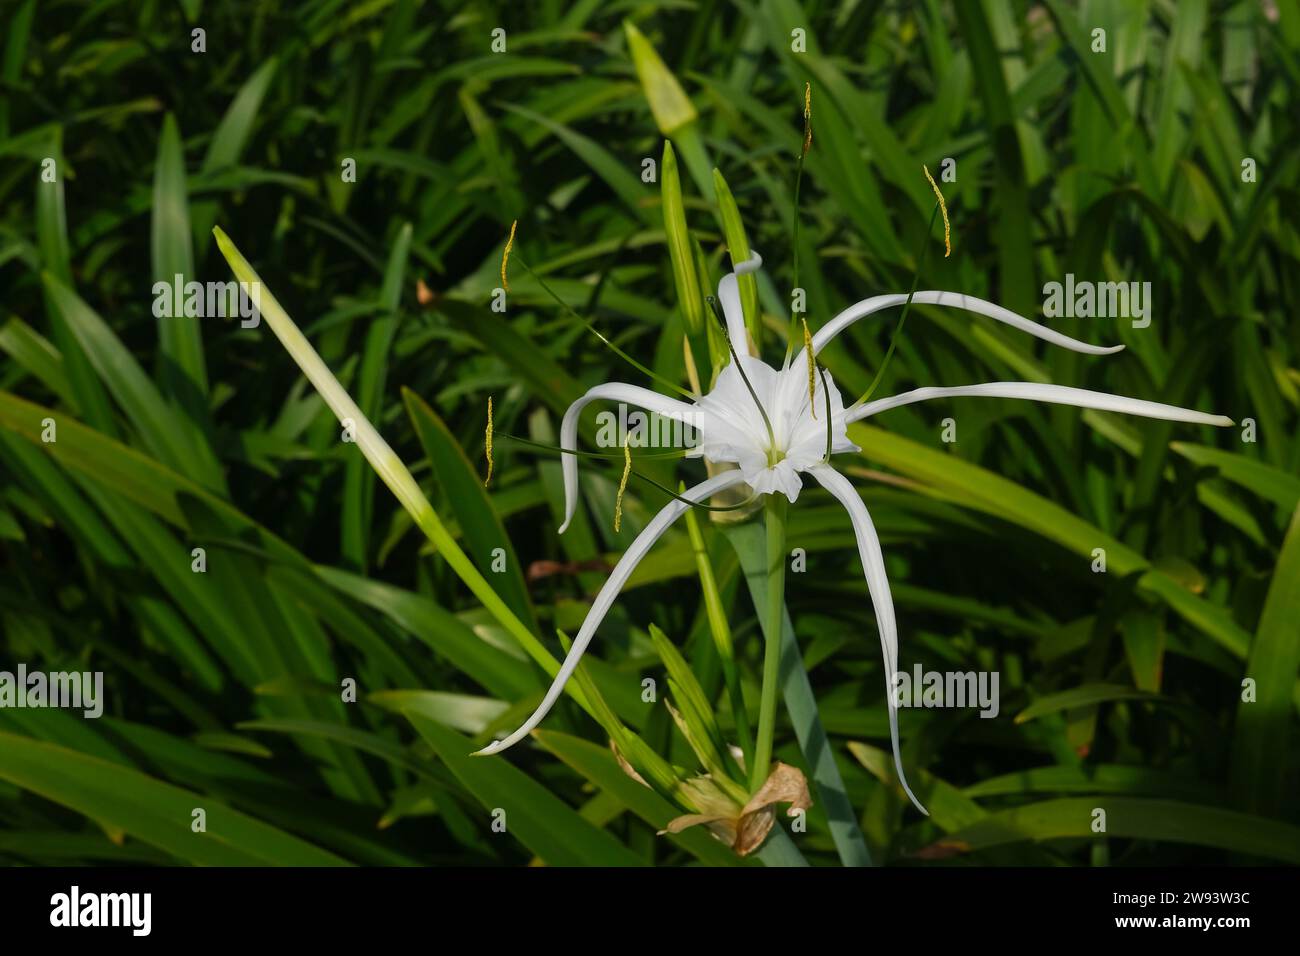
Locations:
{"points": [[773, 611], [801, 706]]}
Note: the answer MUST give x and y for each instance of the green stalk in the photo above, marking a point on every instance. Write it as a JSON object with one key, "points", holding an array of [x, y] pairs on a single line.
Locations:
{"points": [[773, 611], [801, 706]]}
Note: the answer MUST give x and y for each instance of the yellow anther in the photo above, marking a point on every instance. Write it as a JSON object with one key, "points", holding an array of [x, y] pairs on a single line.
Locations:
{"points": [[807, 118], [488, 442], [622, 486], [943, 208], [505, 256], [812, 367]]}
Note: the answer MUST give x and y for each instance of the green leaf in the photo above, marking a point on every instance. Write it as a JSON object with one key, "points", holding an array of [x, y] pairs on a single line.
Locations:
{"points": [[34, 353], [228, 141], [669, 103], [1097, 778], [361, 740], [720, 631], [502, 674], [534, 816], [601, 161], [56, 258], [546, 378], [1144, 645], [180, 358], [358, 479], [385, 461], [1270, 483], [733, 230], [1261, 750], [1013, 221], [779, 850], [1084, 696], [107, 462], [1097, 73], [152, 811], [599, 766], [950, 808], [975, 487], [463, 712], [694, 703], [1174, 95], [483, 532], [750, 544], [171, 438], [689, 298], [653, 768], [1128, 817]]}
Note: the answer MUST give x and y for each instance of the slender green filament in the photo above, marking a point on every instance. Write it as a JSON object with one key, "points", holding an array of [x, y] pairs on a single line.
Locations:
{"points": [[826, 391], [812, 369], [798, 181], [634, 474], [767, 422], [676, 453], [586, 323], [695, 504], [893, 340]]}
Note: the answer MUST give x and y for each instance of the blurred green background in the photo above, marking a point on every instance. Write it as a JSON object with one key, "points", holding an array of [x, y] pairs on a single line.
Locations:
{"points": [[1121, 691]]}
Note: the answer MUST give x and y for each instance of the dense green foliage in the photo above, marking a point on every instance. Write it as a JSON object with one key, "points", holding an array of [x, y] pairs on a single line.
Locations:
{"points": [[1120, 690]]}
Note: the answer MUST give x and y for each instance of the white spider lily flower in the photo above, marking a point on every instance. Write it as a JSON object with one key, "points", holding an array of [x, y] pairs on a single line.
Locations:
{"points": [[776, 444], [732, 429]]}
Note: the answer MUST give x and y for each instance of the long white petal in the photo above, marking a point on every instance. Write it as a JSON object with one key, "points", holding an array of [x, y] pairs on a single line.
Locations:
{"points": [[600, 607], [1056, 394], [873, 562], [617, 392], [957, 300], [729, 294], [752, 264]]}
